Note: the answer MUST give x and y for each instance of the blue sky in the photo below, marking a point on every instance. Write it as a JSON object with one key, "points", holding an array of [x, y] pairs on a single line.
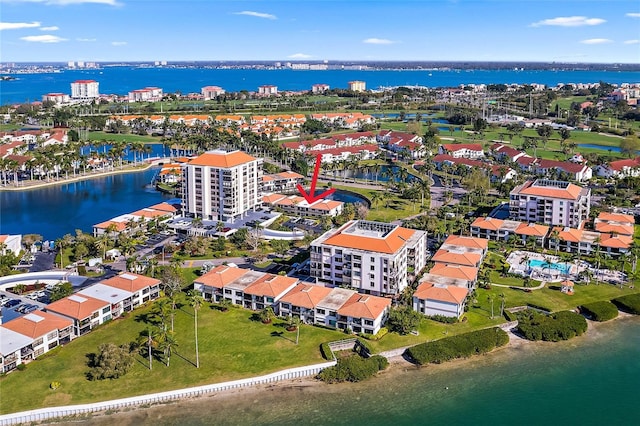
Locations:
{"points": [[296, 30]]}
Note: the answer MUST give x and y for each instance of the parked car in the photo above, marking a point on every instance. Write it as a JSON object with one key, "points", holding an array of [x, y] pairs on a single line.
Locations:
{"points": [[30, 308], [13, 302]]}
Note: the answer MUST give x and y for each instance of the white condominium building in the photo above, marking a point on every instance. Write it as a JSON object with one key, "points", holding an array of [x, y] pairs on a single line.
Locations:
{"points": [[550, 202], [84, 89], [221, 185], [372, 257]]}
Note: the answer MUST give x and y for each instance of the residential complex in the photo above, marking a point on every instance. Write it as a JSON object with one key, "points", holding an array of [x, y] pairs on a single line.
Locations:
{"points": [[85, 89], [148, 94], [371, 257], [219, 185], [550, 202], [211, 92], [357, 86]]}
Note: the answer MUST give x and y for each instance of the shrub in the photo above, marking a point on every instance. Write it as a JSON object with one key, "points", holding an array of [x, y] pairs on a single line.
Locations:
{"points": [[54, 385], [325, 350], [460, 346], [362, 347], [510, 316], [562, 325], [600, 311], [353, 368], [629, 303], [443, 319], [21, 367], [379, 335], [403, 320]]}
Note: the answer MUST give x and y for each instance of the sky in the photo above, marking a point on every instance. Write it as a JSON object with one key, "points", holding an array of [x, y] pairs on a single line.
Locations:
{"points": [[582, 31]]}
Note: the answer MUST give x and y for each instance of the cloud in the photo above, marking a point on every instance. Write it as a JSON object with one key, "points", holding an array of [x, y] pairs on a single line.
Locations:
{"points": [[632, 41], [569, 21], [257, 14], [299, 56], [118, 43], [46, 38], [18, 25], [596, 41], [377, 41], [67, 2], [633, 15], [53, 28], [86, 40]]}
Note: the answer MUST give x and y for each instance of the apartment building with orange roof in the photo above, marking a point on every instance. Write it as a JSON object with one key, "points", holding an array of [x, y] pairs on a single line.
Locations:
{"points": [[437, 299], [211, 92], [10, 243], [141, 287], [213, 284], [372, 257], [302, 300], [469, 274], [616, 223], [284, 181], [457, 256], [300, 207], [572, 240], [46, 330], [219, 185], [85, 312], [550, 202], [267, 291], [470, 244], [363, 313]]}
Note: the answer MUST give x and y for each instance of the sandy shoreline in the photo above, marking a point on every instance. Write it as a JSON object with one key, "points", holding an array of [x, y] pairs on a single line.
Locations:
{"points": [[398, 366], [63, 181]]}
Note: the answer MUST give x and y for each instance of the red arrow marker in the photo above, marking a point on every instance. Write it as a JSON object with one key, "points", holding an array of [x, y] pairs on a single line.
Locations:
{"points": [[310, 197]]}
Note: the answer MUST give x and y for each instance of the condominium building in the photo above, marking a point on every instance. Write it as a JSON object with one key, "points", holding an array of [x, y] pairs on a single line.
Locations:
{"points": [[357, 86], [84, 89], [148, 94], [550, 202], [221, 185], [211, 92], [371, 257], [268, 90]]}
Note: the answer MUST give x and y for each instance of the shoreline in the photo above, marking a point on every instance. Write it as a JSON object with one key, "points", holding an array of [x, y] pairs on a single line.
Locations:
{"points": [[40, 185], [398, 366]]}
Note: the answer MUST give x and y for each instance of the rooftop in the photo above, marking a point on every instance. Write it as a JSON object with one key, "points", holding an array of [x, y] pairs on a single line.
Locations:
{"points": [[306, 295], [364, 306], [222, 159], [106, 293], [37, 324], [441, 293], [368, 236], [10, 341]]}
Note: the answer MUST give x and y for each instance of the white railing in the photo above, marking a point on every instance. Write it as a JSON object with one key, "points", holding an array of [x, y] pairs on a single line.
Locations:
{"points": [[42, 414]]}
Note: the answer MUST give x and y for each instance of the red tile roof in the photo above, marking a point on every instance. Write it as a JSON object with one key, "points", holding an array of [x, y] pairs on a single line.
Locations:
{"points": [[77, 307], [221, 276], [222, 160], [131, 282], [37, 324], [389, 244], [271, 285], [364, 306], [441, 293], [306, 295]]}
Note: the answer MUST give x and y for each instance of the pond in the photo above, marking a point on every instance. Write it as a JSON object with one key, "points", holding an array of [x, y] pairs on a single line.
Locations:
{"points": [[367, 173], [346, 197], [157, 150], [601, 147]]}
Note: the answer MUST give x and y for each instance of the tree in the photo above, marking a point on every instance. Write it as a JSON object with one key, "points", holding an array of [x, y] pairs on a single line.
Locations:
{"points": [[403, 319], [167, 343], [630, 145], [60, 291], [111, 362], [280, 246], [149, 337], [266, 315], [196, 300], [544, 132], [564, 134], [172, 282], [240, 236]]}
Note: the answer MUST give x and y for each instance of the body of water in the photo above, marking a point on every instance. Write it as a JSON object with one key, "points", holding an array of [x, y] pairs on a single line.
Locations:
{"points": [[156, 150], [345, 196], [60, 209], [562, 267], [601, 147], [590, 380], [381, 176], [121, 80]]}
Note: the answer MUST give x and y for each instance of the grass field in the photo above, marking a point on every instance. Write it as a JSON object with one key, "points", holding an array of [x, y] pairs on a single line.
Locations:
{"points": [[231, 347]]}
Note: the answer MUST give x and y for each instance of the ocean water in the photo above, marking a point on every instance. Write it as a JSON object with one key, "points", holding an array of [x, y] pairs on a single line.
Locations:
{"points": [[590, 380], [120, 80]]}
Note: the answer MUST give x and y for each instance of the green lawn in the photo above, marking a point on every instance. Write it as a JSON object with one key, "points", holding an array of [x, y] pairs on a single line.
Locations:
{"points": [[395, 208], [231, 347]]}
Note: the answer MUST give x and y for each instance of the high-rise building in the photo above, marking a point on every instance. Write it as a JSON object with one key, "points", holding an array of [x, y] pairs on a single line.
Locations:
{"points": [[84, 89], [357, 86], [550, 202], [372, 257], [219, 185]]}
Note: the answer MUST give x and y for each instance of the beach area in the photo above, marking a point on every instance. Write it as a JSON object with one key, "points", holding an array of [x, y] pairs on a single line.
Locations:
{"points": [[401, 392]]}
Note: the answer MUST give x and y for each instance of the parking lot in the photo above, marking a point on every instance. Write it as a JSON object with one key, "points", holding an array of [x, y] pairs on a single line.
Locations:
{"points": [[14, 306]]}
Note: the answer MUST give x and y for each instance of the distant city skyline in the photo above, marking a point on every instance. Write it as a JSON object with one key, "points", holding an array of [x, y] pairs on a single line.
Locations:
{"points": [[570, 31]]}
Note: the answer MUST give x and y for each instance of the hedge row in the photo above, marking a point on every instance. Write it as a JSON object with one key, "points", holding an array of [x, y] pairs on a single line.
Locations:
{"points": [[325, 350], [353, 369], [460, 346], [562, 325], [629, 303], [600, 311]]}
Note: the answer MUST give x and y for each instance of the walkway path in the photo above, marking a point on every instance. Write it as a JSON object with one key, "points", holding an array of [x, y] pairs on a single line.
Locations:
{"points": [[542, 284]]}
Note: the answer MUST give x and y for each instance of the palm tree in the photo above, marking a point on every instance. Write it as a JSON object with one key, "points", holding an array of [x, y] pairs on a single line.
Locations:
{"points": [[555, 237], [490, 299], [149, 337], [375, 197], [503, 300], [168, 343], [196, 300]]}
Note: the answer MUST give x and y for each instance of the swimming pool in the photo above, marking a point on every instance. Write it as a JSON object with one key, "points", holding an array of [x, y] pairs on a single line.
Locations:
{"points": [[562, 267]]}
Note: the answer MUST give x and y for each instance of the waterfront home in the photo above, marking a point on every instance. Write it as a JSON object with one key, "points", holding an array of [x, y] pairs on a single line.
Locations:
{"points": [[10, 243], [141, 288], [301, 301], [437, 299], [45, 330], [11, 346], [268, 90], [211, 92], [85, 90], [620, 168], [284, 181], [372, 257], [267, 291], [319, 88], [56, 98], [462, 150], [134, 221], [298, 206], [617, 223], [357, 86], [85, 312], [148, 94], [363, 313]]}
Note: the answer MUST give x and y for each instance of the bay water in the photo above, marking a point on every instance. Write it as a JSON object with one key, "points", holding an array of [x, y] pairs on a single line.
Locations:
{"points": [[590, 380]]}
